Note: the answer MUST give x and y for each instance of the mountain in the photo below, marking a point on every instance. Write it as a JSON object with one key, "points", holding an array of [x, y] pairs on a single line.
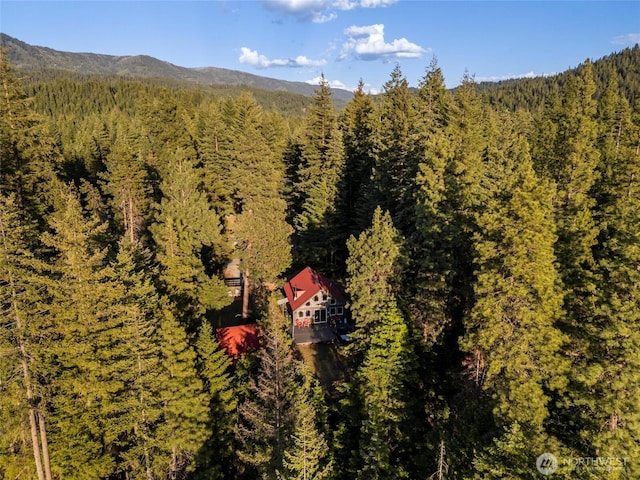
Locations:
{"points": [[531, 93], [29, 57]]}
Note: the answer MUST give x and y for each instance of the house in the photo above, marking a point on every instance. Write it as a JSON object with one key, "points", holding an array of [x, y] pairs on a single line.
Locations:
{"points": [[314, 302]]}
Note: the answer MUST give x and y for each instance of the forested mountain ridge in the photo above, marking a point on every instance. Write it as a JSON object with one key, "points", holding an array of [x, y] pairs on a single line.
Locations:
{"points": [[531, 93], [28, 57], [490, 258]]}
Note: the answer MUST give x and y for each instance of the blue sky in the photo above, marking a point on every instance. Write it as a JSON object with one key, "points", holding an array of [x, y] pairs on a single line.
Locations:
{"points": [[346, 40]]}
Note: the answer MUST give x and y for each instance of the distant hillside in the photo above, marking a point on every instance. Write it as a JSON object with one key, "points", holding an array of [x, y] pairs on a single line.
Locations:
{"points": [[28, 57], [530, 93]]}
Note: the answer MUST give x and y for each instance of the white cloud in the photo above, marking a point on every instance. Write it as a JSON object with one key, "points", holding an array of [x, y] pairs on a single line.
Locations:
{"points": [[253, 58], [367, 43], [628, 39], [332, 83], [343, 86], [321, 11]]}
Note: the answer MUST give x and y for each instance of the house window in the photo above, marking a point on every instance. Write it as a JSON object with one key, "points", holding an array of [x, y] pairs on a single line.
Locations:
{"points": [[308, 304], [300, 314], [324, 297], [332, 311], [333, 301], [315, 299], [308, 313], [339, 310]]}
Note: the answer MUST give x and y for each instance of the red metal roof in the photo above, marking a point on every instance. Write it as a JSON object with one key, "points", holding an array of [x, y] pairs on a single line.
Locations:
{"points": [[306, 284], [238, 340]]}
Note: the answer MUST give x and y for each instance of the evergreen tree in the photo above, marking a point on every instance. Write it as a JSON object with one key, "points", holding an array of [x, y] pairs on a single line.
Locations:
{"points": [[360, 132], [81, 306], [181, 432], [259, 228], [215, 458], [28, 155], [373, 268], [605, 392], [381, 382], [23, 337], [398, 159], [319, 177], [518, 302], [431, 244], [126, 182], [186, 224], [266, 416], [308, 456]]}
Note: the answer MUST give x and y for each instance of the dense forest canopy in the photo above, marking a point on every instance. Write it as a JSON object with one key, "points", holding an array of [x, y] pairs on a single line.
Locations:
{"points": [[488, 239]]}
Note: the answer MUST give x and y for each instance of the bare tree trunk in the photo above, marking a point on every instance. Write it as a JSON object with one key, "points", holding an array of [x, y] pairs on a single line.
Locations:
{"points": [[132, 232], [25, 368], [45, 446], [245, 296], [34, 431]]}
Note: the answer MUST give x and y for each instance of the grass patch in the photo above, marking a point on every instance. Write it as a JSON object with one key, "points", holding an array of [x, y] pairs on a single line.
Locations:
{"points": [[326, 362]]}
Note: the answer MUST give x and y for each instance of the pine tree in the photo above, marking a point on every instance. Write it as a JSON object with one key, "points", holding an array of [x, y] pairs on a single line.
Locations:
{"points": [[373, 268], [398, 160], [215, 458], [28, 155], [23, 336], [381, 383], [605, 392], [81, 306], [266, 416], [126, 182], [431, 245], [186, 224], [132, 365], [182, 431], [512, 326], [361, 146], [319, 175], [259, 230], [308, 457]]}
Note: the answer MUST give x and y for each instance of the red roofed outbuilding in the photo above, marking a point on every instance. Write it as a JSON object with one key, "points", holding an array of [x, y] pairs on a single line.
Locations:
{"points": [[238, 340]]}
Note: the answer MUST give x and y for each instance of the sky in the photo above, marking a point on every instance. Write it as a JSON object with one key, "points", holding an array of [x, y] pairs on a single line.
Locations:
{"points": [[344, 40]]}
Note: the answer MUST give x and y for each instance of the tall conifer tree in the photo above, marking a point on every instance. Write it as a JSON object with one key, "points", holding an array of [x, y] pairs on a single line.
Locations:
{"points": [[512, 325]]}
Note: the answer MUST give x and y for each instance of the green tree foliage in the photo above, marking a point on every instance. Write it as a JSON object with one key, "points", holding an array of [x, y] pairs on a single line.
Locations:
{"points": [[359, 125], [215, 458], [259, 227], [127, 182], [398, 160], [28, 155], [23, 337], [605, 392], [266, 417], [82, 298], [431, 244], [373, 267], [308, 455], [518, 301], [495, 316], [319, 175], [381, 383], [186, 224]]}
